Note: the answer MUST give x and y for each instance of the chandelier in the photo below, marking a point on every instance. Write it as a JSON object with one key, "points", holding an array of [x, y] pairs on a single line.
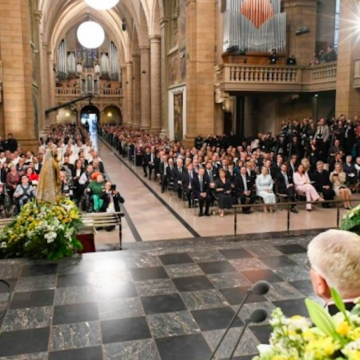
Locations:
{"points": [[102, 4], [90, 34]]}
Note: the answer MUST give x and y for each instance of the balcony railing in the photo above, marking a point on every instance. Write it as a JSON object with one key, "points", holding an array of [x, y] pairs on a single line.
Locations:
{"points": [[262, 74], [323, 72], [68, 91], [72, 91], [357, 74], [111, 92], [243, 77]]}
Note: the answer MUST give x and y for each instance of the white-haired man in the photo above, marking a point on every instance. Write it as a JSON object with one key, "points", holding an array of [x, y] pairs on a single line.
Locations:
{"points": [[334, 262]]}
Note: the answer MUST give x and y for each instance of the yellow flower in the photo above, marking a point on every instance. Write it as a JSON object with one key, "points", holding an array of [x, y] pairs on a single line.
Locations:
{"points": [[343, 328], [60, 217], [296, 317], [354, 334]]}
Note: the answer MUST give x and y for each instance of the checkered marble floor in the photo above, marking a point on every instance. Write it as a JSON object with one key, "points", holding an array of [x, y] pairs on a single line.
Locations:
{"points": [[166, 300]]}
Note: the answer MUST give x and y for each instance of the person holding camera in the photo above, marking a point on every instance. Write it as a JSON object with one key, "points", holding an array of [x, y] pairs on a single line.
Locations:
{"points": [[113, 198]]}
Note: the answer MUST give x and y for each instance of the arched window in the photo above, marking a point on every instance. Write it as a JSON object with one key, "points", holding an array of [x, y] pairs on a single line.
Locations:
{"points": [[337, 24]]}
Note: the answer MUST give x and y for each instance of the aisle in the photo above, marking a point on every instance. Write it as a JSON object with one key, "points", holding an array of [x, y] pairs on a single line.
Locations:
{"points": [[147, 218]]}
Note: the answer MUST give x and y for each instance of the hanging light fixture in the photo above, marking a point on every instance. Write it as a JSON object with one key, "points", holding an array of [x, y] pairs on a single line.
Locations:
{"points": [[90, 34], [102, 4]]}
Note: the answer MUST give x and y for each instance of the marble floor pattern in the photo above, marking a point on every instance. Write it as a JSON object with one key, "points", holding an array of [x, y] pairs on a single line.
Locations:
{"points": [[159, 300], [157, 216]]}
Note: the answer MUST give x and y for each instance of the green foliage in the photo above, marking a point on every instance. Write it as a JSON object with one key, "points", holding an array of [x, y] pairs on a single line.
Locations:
{"points": [[42, 231]]}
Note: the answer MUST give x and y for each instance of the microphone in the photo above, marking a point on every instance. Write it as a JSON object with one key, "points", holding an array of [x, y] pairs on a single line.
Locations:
{"points": [[259, 288], [256, 317]]}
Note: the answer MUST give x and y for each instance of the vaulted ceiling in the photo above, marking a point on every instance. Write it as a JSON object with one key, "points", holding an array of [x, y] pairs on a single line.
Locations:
{"points": [[141, 17]]}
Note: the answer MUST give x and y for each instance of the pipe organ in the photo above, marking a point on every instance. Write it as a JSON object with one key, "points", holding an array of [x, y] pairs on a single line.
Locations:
{"points": [[114, 62], [62, 60], [254, 26]]}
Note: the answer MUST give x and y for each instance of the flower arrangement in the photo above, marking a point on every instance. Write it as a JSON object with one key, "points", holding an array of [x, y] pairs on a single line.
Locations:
{"points": [[332, 337], [351, 220], [42, 231]]}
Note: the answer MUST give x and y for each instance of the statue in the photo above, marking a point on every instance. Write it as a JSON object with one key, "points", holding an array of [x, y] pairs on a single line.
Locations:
{"points": [[49, 187]]}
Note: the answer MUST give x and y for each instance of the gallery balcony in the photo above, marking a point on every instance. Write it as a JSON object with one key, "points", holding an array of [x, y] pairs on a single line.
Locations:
{"points": [[275, 78], [357, 74], [76, 92]]}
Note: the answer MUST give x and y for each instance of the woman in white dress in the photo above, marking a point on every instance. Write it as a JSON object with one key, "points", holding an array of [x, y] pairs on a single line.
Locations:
{"points": [[264, 188], [338, 178]]}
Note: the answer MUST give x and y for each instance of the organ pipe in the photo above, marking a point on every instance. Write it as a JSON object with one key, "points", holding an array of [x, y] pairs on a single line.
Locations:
{"points": [[254, 26]]}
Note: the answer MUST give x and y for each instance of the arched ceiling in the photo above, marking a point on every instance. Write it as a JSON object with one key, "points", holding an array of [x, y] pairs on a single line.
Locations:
{"points": [[140, 16]]}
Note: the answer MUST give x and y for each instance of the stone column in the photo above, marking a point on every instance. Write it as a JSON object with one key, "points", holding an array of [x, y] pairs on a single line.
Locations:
{"points": [[300, 13], [136, 91], [145, 88], [347, 98], [125, 95], [129, 95], [51, 118], [164, 27], [45, 83], [200, 45], [155, 80], [17, 72]]}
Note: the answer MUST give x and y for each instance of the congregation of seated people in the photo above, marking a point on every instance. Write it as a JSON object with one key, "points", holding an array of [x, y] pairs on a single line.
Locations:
{"points": [[308, 161], [82, 173]]}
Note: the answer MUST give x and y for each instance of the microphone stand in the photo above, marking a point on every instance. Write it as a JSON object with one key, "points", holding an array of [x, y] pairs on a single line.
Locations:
{"points": [[247, 322], [248, 293]]}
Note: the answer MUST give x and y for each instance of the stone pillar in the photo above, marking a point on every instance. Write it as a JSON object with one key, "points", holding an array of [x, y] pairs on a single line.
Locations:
{"points": [[145, 88], [51, 118], [45, 83], [164, 27], [136, 91], [129, 95], [300, 13], [347, 98], [200, 45], [17, 72], [125, 95], [155, 61]]}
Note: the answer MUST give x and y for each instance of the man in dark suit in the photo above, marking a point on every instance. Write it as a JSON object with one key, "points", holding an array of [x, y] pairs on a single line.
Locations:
{"points": [[68, 165], [146, 160], [322, 183], [324, 252], [244, 189], [211, 175], [285, 185], [201, 187], [187, 177], [163, 168], [292, 165], [178, 170]]}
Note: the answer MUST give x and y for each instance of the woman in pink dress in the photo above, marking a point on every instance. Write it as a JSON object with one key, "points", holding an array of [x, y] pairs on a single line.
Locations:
{"points": [[303, 186]]}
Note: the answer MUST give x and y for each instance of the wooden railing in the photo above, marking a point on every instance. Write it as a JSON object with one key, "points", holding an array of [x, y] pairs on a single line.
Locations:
{"points": [[243, 77]]}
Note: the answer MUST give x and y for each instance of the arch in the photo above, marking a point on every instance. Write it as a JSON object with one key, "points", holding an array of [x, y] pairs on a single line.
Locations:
{"points": [[157, 13], [74, 16], [112, 113], [86, 113]]}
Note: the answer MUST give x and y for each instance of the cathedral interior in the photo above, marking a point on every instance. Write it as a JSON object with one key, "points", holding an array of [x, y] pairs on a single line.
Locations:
{"points": [[178, 69]]}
